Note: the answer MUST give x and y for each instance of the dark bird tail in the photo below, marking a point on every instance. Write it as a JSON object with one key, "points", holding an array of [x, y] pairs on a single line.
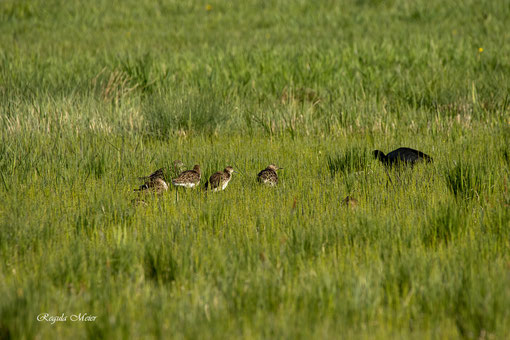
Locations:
{"points": [[426, 157]]}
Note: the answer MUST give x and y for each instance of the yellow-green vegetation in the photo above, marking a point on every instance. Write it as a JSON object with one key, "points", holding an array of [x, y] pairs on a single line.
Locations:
{"points": [[95, 93]]}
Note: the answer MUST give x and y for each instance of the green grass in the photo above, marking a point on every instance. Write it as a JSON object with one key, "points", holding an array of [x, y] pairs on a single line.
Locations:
{"points": [[93, 95]]}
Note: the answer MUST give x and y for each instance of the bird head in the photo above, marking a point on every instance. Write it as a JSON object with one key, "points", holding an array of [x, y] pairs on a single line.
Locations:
{"points": [[196, 168], [178, 164], [379, 155], [273, 167], [230, 170]]}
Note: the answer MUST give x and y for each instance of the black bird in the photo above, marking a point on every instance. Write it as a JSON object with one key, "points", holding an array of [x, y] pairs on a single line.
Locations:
{"points": [[402, 156]]}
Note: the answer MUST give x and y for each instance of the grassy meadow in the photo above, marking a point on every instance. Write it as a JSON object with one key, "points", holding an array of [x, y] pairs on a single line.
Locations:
{"points": [[95, 93]]}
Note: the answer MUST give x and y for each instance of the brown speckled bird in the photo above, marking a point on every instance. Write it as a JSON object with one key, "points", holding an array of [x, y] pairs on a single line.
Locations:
{"points": [[219, 180], [268, 175], [350, 201], [189, 178], [155, 182]]}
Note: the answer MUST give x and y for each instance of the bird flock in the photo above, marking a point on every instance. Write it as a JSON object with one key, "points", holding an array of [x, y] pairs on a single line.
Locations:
{"points": [[157, 183]]}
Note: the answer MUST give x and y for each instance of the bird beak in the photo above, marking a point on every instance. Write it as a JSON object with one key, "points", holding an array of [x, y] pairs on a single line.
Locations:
{"points": [[235, 172]]}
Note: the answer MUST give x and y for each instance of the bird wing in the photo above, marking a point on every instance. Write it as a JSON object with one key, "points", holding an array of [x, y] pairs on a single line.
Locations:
{"points": [[261, 175], [408, 155], [156, 179], [266, 175], [156, 183], [215, 179], [423, 155], [187, 176], [155, 175]]}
